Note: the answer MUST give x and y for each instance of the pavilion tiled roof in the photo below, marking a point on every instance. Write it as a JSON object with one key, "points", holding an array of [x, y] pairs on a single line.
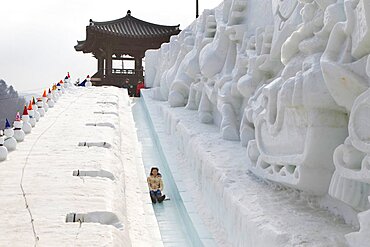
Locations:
{"points": [[131, 27]]}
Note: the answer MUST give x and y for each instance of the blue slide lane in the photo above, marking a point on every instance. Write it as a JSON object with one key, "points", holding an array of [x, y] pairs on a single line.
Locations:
{"points": [[175, 224]]}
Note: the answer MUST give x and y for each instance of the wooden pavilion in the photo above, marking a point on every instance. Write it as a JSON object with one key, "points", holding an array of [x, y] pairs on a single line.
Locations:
{"points": [[124, 39]]}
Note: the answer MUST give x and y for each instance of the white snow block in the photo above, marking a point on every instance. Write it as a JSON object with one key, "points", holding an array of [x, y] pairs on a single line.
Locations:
{"points": [[18, 131], [10, 142], [26, 127], [3, 149]]}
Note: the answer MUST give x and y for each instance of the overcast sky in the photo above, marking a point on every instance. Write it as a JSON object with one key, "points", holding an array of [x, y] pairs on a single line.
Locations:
{"points": [[37, 37]]}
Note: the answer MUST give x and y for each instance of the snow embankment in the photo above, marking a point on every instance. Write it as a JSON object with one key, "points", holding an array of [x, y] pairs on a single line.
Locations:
{"points": [[75, 169], [246, 210]]}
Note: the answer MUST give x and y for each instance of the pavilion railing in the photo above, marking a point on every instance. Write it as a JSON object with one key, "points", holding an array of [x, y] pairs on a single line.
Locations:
{"points": [[122, 72], [125, 71]]}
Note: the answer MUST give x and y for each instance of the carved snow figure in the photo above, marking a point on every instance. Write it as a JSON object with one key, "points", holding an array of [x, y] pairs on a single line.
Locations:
{"points": [[257, 52], [205, 33], [152, 66], [50, 101], [35, 109], [54, 92], [40, 107], [179, 89], [3, 150], [60, 86], [88, 82], [170, 67], [31, 114], [351, 180], [26, 124], [18, 131], [345, 57], [229, 99], [59, 89], [66, 82], [44, 99], [267, 65], [216, 61], [163, 61], [300, 124], [10, 142], [182, 42], [349, 63]]}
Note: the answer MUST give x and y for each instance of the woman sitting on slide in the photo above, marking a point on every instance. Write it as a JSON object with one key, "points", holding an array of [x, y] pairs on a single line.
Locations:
{"points": [[155, 185]]}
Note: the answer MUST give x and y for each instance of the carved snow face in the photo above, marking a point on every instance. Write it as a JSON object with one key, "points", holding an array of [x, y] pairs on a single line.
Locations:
{"points": [[18, 124], [25, 118], [283, 10], [9, 132], [332, 15], [308, 12]]}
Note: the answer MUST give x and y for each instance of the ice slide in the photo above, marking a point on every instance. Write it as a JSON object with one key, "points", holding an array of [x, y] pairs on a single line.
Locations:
{"points": [[178, 223]]}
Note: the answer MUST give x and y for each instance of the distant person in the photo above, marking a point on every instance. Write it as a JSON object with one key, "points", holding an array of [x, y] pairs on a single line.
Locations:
{"points": [[131, 90], [128, 86], [127, 83], [139, 86], [155, 184]]}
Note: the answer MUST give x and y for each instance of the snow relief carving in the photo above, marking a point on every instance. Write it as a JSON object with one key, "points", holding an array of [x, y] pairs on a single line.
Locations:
{"points": [[346, 66], [292, 87]]}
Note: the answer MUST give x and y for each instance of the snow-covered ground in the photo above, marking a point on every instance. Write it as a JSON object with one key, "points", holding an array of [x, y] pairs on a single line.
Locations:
{"points": [[38, 189], [91, 132]]}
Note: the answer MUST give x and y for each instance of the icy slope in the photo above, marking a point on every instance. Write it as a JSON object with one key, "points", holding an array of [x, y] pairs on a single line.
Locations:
{"points": [[88, 133]]}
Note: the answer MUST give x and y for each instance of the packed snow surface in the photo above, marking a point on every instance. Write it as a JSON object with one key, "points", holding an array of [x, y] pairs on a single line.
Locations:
{"points": [[40, 189]]}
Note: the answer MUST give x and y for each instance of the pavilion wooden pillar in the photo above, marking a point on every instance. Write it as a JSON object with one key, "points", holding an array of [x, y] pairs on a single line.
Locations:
{"points": [[101, 66], [108, 62], [139, 66], [138, 63]]}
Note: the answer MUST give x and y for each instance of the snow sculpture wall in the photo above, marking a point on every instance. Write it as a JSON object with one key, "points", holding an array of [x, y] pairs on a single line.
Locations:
{"points": [[298, 124], [292, 87], [346, 64]]}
